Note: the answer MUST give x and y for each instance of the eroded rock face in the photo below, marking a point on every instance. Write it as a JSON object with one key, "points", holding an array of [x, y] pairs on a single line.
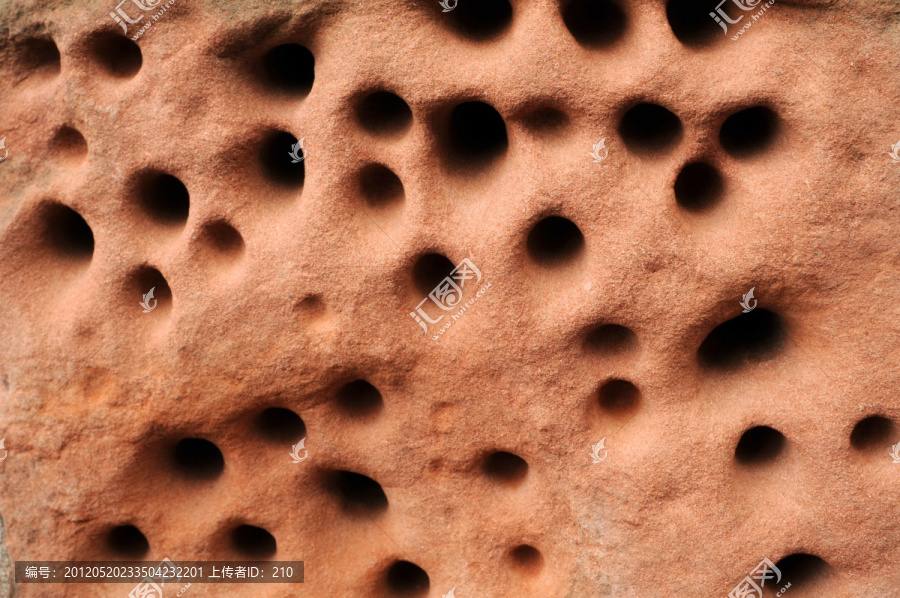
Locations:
{"points": [[593, 414]]}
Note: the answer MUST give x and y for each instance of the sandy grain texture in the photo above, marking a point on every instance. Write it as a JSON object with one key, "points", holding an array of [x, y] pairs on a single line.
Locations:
{"points": [[606, 304]]}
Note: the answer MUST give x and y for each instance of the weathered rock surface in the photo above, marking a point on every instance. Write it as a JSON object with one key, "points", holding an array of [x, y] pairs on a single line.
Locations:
{"points": [[460, 458]]}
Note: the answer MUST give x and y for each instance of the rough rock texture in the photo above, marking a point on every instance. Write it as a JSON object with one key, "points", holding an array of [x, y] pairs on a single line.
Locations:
{"points": [[280, 285]]}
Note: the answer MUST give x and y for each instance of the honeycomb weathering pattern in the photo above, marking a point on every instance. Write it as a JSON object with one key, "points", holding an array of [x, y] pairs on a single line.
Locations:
{"points": [[289, 285]]}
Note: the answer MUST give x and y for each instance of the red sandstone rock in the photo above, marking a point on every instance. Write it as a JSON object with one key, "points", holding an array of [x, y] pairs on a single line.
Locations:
{"points": [[468, 457]]}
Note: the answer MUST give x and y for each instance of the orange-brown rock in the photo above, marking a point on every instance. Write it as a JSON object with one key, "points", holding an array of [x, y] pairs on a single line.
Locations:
{"points": [[489, 261]]}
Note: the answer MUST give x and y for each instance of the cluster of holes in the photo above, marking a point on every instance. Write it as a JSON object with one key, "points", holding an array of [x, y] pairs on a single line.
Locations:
{"points": [[746, 339], [759, 335], [384, 114], [200, 460], [764, 444], [598, 24], [360, 496], [64, 234], [165, 200], [649, 128], [288, 70], [476, 135], [357, 494], [593, 23], [756, 336], [745, 133]]}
